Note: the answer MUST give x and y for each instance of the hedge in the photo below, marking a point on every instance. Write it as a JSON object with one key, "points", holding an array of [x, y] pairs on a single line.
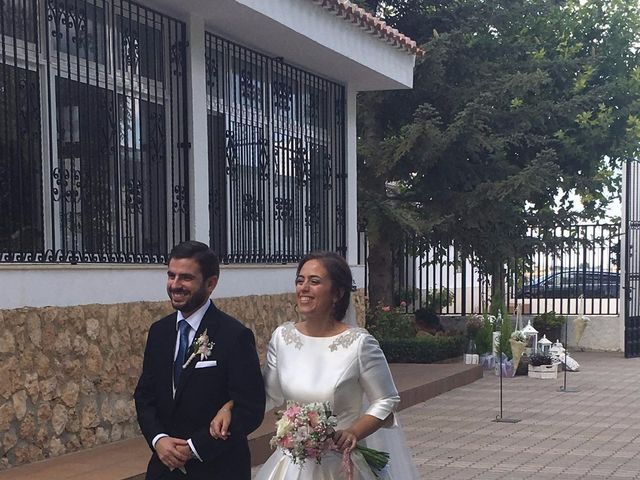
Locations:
{"points": [[428, 349]]}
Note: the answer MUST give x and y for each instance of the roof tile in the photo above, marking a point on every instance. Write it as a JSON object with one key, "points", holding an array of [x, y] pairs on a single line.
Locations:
{"points": [[370, 23]]}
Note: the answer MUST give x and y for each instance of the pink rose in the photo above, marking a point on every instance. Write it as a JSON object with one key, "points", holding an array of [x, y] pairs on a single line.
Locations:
{"points": [[286, 442], [293, 412], [313, 419]]}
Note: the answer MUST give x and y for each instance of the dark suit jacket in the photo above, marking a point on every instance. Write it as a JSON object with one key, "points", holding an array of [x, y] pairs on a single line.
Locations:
{"points": [[199, 395]]}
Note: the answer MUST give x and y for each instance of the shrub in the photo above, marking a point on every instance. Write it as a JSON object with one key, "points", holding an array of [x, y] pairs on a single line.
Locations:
{"points": [[388, 322], [538, 359], [428, 349], [428, 318], [438, 298], [473, 326], [485, 336], [406, 296], [505, 334], [549, 324]]}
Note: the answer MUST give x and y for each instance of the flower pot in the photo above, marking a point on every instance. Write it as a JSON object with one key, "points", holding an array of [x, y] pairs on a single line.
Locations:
{"points": [[543, 371], [471, 358], [507, 368], [487, 360]]}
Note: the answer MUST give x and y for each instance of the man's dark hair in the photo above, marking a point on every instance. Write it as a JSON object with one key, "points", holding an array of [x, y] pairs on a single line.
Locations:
{"points": [[201, 253], [340, 275]]}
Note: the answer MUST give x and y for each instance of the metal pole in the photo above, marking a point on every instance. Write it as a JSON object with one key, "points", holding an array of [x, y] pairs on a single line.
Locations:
{"points": [[564, 387], [499, 418]]}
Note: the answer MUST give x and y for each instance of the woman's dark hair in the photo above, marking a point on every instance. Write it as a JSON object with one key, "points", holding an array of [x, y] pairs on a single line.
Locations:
{"points": [[340, 275], [201, 253]]}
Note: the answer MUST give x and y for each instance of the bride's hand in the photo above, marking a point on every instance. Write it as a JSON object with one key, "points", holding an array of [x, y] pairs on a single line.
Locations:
{"points": [[219, 426], [345, 440]]}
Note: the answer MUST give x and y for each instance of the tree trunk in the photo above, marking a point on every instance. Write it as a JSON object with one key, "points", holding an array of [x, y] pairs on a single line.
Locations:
{"points": [[380, 269]]}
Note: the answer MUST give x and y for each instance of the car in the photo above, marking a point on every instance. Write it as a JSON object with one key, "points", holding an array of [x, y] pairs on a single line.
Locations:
{"points": [[573, 283]]}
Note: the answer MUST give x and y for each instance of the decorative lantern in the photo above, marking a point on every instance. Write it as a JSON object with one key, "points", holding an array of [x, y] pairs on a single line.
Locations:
{"points": [[531, 335], [544, 345], [557, 348]]}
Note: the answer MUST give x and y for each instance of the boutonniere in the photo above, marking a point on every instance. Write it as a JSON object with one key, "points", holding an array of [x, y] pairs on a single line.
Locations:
{"points": [[201, 346]]}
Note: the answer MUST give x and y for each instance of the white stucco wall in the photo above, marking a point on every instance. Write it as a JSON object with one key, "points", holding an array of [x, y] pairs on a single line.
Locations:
{"points": [[303, 34], [603, 333], [330, 35], [64, 285]]}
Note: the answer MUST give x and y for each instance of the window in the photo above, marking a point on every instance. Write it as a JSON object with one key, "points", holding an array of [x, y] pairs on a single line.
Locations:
{"points": [[107, 157], [21, 228], [277, 163]]}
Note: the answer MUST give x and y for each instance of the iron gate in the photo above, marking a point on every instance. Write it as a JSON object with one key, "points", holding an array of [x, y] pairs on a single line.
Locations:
{"points": [[632, 277]]}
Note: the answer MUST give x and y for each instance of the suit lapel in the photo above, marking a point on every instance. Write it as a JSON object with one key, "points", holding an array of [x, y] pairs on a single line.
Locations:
{"points": [[210, 324], [168, 345]]}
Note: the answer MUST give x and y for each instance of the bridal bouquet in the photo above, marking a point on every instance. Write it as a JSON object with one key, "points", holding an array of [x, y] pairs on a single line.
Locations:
{"points": [[306, 431]]}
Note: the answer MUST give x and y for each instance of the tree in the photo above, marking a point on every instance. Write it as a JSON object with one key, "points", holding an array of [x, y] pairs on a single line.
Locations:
{"points": [[515, 102]]}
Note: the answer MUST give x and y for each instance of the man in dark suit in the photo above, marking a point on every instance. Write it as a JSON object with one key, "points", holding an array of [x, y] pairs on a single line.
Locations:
{"points": [[196, 360]]}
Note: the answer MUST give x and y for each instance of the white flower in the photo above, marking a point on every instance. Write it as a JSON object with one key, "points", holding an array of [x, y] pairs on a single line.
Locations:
{"points": [[201, 346], [283, 427]]}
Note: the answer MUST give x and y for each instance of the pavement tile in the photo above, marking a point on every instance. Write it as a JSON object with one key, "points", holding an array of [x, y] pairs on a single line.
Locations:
{"points": [[592, 434]]}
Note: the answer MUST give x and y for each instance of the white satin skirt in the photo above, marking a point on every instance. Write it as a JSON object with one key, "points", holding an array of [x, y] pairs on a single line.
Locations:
{"points": [[280, 466]]}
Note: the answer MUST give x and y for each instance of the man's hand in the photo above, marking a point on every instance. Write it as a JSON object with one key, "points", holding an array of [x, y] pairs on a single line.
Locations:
{"points": [[186, 450], [219, 426], [173, 452]]}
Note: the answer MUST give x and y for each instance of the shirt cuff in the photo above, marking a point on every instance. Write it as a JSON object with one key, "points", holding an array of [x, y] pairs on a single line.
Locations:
{"points": [[193, 449], [156, 438]]}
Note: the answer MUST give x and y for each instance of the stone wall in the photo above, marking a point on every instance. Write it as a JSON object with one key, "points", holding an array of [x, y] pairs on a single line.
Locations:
{"points": [[67, 374]]}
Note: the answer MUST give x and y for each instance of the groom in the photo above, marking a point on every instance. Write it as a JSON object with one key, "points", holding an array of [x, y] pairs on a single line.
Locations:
{"points": [[195, 360]]}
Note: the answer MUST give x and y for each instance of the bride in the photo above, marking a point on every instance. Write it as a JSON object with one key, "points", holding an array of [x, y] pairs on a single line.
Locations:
{"points": [[322, 359]]}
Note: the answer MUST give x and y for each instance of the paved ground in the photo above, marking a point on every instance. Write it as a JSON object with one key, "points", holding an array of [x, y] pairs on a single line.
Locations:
{"points": [[591, 434]]}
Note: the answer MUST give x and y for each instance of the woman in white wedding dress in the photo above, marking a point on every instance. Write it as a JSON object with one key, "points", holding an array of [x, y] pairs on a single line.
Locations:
{"points": [[322, 359]]}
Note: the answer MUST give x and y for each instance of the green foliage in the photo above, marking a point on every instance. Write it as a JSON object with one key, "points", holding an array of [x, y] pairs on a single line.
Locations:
{"points": [[473, 326], [405, 296], [484, 336], [384, 322], [549, 324], [514, 102], [428, 318], [438, 298], [538, 359], [506, 330], [428, 349]]}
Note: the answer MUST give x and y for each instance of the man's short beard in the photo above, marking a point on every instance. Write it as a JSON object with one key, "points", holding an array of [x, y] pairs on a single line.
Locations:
{"points": [[197, 299]]}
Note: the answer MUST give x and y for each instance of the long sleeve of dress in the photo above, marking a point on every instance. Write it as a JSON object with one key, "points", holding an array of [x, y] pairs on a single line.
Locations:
{"points": [[275, 397], [376, 380]]}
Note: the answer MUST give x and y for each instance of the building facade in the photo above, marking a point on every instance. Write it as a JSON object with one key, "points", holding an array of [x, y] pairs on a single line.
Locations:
{"points": [[128, 127]]}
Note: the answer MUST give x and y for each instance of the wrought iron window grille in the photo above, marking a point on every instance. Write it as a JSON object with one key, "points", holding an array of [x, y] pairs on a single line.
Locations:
{"points": [[99, 173], [277, 157]]}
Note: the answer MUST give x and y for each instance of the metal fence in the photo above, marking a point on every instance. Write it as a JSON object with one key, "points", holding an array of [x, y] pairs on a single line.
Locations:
{"points": [[566, 263], [277, 157], [93, 132]]}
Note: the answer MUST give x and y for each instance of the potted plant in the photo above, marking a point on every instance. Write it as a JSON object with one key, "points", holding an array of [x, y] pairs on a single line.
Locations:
{"points": [[541, 366], [503, 347], [484, 338], [549, 324]]}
